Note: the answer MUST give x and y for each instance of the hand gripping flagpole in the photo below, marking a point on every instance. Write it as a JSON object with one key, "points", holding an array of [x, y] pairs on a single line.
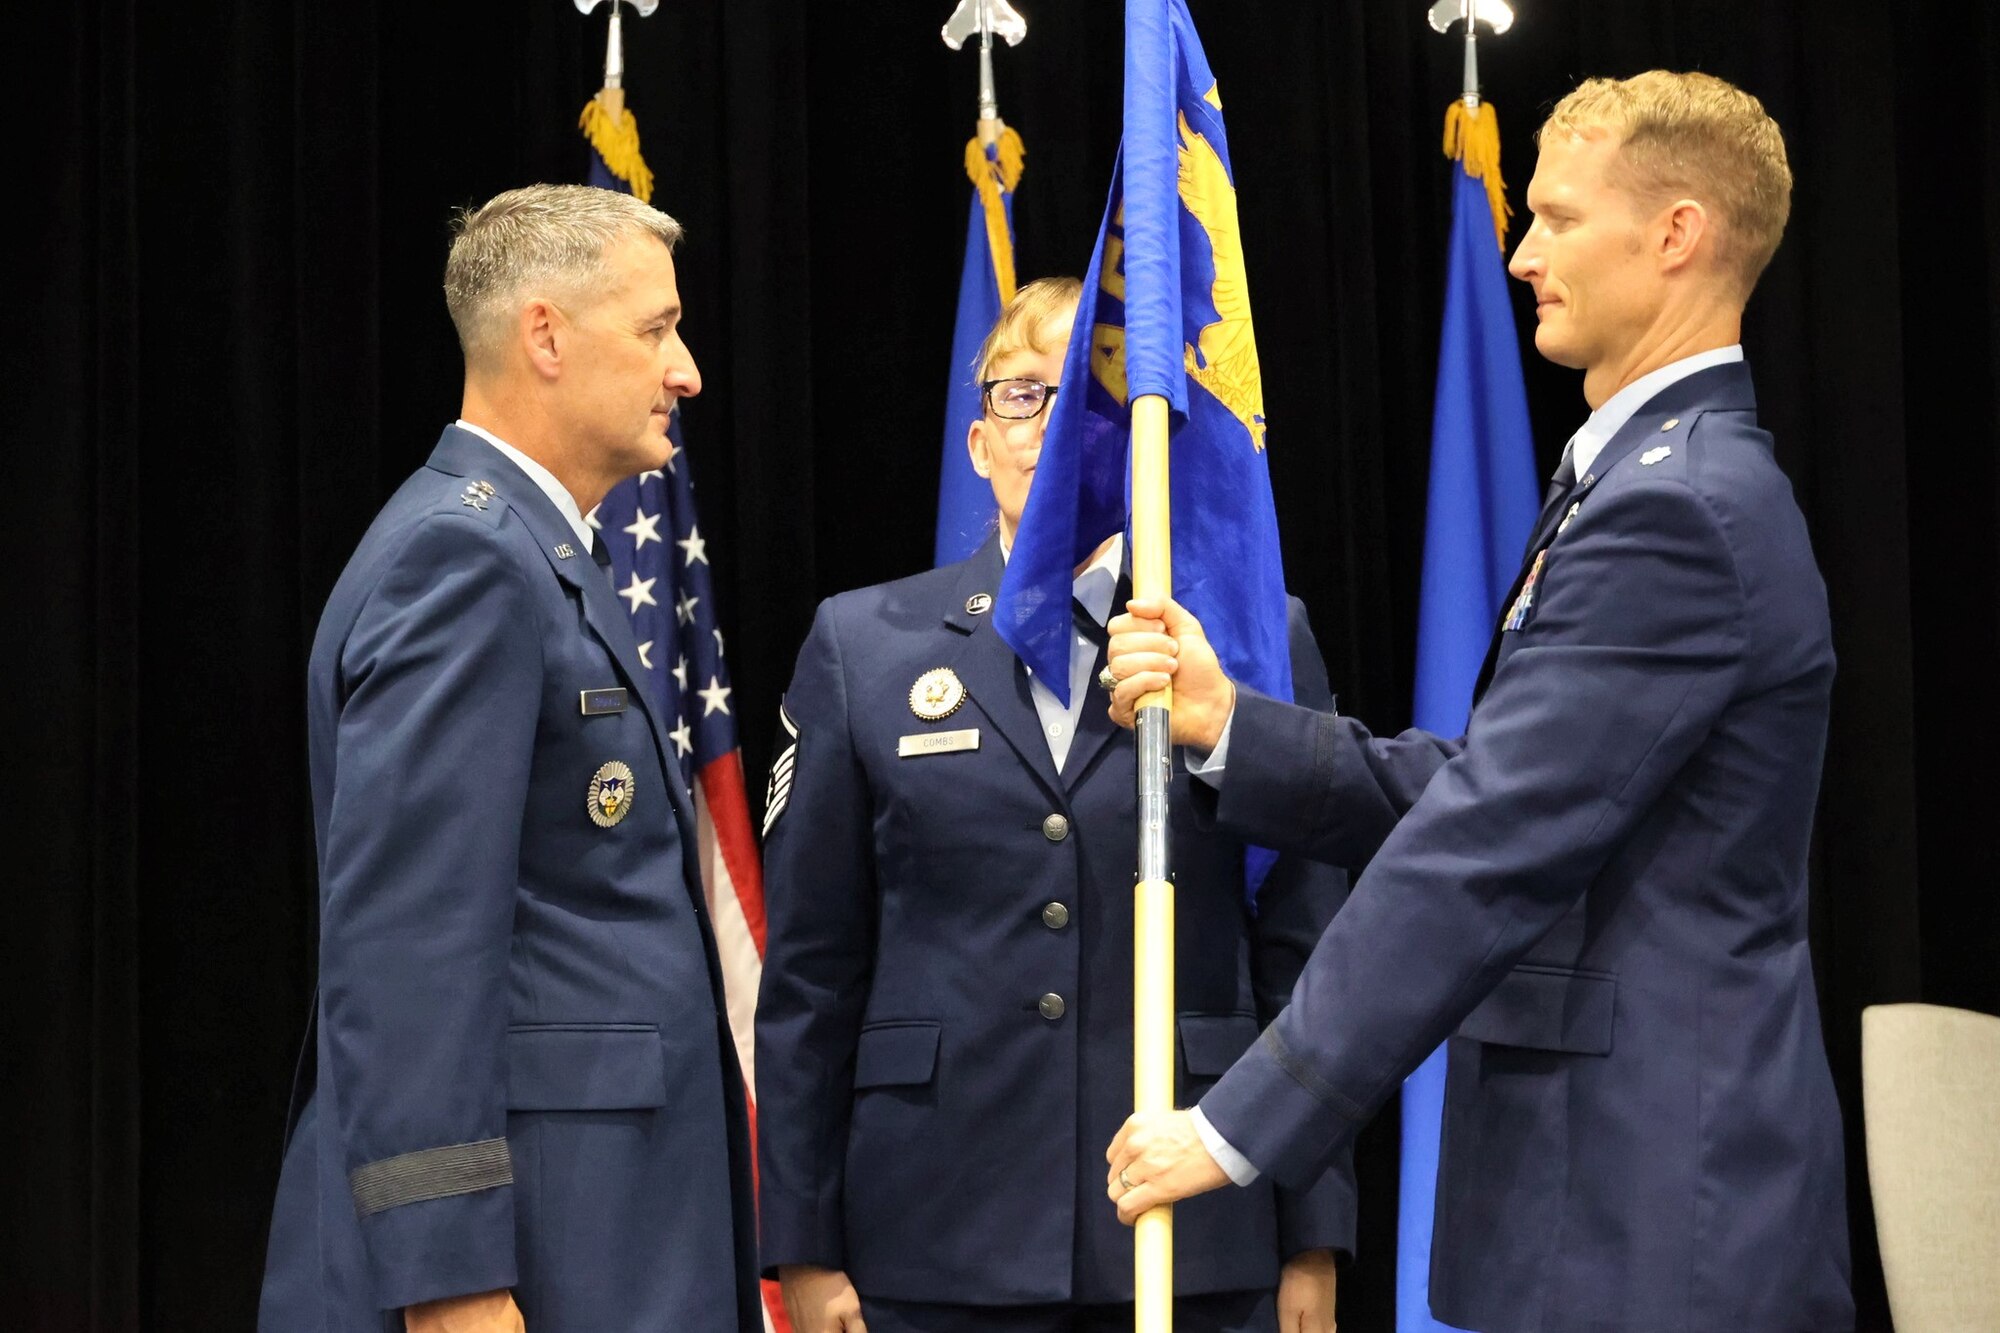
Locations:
{"points": [[1153, 900]]}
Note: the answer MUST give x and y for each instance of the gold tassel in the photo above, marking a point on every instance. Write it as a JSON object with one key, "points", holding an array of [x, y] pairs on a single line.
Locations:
{"points": [[1472, 138], [990, 179], [614, 133]]}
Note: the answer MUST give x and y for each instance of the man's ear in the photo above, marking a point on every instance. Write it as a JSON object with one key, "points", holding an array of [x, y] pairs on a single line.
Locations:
{"points": [[543, 336], [1682, 234]]}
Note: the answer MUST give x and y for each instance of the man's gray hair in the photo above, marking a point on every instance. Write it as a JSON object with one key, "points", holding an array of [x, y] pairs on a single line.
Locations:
{"points": [[540, 240]]}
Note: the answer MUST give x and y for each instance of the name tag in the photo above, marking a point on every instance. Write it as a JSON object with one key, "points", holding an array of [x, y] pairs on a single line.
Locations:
{"points": [[937, 742], [597, 703]]}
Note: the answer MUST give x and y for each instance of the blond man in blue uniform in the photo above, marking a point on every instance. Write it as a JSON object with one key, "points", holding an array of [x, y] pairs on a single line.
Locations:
{"points": [[1599, 892]]}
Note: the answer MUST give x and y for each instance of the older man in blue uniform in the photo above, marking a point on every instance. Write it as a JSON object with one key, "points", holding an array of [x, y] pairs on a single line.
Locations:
{"points": [[527, 1108], [1601, 888], [944, 1036]]}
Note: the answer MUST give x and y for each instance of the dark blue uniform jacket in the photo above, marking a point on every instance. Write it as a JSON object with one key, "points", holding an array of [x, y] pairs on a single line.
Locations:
{"points": [[1601, 890], [944, 1035], [523, 1076]]}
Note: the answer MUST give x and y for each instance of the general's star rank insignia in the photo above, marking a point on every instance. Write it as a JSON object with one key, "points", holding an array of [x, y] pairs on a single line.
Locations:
{"points": [[937, 694], [610, 794]]}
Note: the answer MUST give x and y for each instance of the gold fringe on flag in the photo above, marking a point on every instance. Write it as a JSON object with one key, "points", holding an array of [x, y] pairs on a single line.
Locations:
{"points": [[1472, 138], [990, 178], [614, 133]]}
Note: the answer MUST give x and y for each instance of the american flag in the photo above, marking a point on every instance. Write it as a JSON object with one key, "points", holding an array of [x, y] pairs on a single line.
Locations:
{"points": [[660, 565]]}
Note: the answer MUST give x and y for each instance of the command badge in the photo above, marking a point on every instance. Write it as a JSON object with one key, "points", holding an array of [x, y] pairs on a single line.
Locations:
{"points": [[937, 694], [610, 794]]}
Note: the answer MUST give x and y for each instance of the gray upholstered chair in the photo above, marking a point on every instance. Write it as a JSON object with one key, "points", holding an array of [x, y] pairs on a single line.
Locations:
{"points": [[1931, 1091]]}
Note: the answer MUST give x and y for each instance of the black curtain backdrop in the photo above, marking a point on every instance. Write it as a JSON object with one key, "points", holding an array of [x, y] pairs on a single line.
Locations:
{"points": [[236, 346]]}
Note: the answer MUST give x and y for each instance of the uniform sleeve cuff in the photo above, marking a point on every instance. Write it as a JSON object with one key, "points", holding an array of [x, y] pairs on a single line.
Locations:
{"points": [[1233, 1163], [1209, 767]]}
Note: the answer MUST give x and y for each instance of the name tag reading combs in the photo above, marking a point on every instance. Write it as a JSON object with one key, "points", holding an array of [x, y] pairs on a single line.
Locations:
{"points": [[937, 742], [599, 703]]}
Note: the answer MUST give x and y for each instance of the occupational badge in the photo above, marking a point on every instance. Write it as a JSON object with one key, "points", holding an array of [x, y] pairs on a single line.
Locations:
{"points": [[1652, 456], [937, 694], [1517, 616], [610, 794], [1563, 526]]}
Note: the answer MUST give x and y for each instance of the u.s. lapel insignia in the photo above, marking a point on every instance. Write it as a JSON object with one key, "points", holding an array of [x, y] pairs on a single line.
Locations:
{"points": [[1564, 525], [1652, 456], [937, 694], [610, 794], [979, 604]]}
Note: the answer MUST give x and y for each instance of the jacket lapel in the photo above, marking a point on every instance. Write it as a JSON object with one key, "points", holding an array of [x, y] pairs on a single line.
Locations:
{"points": [[1724, 388], [991, 674]]}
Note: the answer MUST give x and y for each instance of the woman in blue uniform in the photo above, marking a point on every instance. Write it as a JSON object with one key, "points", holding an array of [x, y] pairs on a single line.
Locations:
{"points": [[944, 1034]]}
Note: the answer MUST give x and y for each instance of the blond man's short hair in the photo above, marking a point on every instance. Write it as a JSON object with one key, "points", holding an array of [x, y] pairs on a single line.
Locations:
{"points": [[1698, 137], [1023, 325]]}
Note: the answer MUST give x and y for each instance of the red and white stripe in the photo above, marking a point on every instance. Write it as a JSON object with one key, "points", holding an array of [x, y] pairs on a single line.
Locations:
{"points": [[732, 879]]}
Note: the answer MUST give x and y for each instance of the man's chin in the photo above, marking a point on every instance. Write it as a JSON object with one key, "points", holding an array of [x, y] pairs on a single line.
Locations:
{"points": [[655, 444], [1556, 349]]}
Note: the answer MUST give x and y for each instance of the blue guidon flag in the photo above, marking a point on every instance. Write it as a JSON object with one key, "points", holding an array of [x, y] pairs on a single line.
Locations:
{"points": [[1165, 310]]}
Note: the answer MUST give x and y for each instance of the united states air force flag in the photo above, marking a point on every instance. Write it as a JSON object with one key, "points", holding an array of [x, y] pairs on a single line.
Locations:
{"points": [[1165, 310], [1482, 506], [985, 283]]}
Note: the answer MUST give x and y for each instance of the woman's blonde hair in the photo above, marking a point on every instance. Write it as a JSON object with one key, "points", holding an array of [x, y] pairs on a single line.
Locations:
{"points": [[1023, 324]]}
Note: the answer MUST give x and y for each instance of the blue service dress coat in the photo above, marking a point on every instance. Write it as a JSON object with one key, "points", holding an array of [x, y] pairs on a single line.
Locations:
{"points": [[944, 1033], [1601, 890], [523, 1076]]}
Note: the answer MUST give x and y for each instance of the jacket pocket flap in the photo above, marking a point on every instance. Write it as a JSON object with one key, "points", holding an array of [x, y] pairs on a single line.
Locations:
{"points": [[585, 1068], [1547, 1009], [895, 1054], [1210, 1043]]}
